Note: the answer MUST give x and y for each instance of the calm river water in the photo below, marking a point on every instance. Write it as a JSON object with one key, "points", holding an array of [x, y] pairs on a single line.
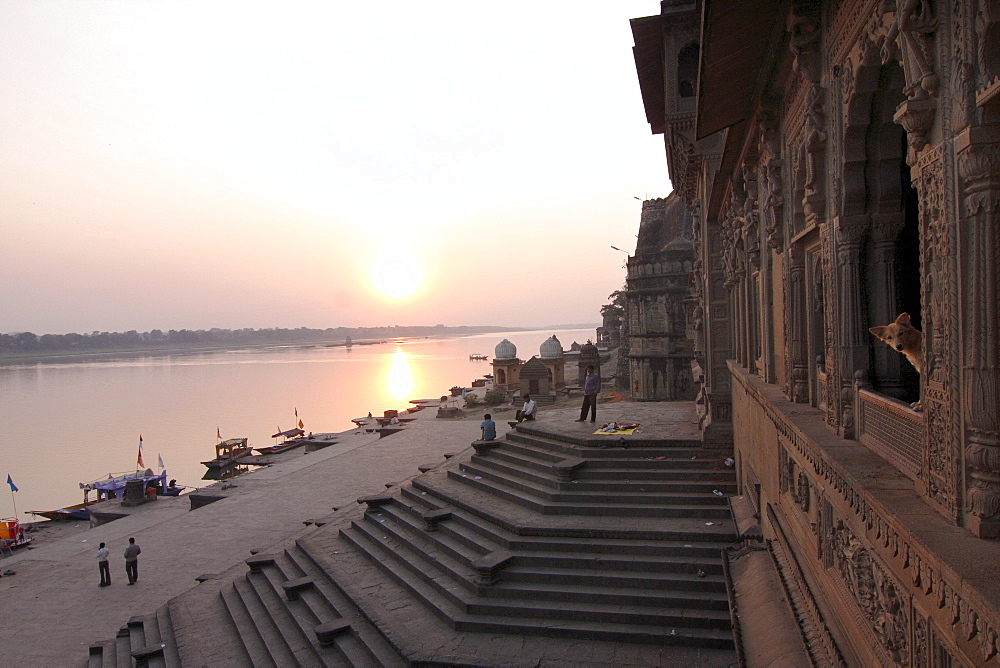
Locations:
{"points": [[71, 422]]}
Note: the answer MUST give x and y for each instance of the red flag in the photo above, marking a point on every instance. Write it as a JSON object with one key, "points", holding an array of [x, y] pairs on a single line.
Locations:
{"points": [[296, 412], [139, 463], [301, 425], [218, 434]]}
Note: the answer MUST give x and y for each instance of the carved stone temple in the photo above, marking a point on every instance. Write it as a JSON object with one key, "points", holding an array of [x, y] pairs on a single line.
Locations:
{"points": [[659, 352], [841, 164]]}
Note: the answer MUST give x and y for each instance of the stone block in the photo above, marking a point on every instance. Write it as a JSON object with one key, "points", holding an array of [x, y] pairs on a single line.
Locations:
{"points": [[375, 500], [258, 561], [432, 517], [293, 588], [326, 634], [483, 447], [489, 566]]}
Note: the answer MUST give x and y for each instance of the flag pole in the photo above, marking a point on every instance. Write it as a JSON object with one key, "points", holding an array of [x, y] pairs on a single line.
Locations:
{"points": [[12, 500]]}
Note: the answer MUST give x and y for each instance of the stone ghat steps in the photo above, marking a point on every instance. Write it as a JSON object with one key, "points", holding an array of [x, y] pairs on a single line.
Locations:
{"points": [[538, 500], [634, 442], [452, 561], [614, 482], [146, 640], [425, 581], [442, 489], [667, 474], [577, 563], [471, 524], [552, 445], [288, 612], [378, 593]]}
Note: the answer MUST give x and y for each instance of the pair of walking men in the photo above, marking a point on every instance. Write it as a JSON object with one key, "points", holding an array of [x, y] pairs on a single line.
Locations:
{"points": [[131, 563]]}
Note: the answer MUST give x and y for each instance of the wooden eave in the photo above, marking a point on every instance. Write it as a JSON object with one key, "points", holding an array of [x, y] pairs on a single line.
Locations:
{"points": [[739, 41], [648, 53]]}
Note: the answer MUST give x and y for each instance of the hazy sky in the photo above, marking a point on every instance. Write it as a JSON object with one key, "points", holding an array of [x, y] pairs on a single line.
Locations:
{"points": [[204, 164]]}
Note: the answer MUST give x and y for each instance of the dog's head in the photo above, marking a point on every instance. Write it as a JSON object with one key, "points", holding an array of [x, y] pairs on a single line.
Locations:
{"points": [[900, 335]]}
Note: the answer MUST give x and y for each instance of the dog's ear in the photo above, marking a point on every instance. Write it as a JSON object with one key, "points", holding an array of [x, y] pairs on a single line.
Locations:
{"points": [[877, 331], [903, 319]]}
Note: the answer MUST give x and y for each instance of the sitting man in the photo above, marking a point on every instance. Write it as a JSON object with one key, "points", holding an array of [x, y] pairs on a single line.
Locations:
{"points": [[488, 427], [529, 409]]}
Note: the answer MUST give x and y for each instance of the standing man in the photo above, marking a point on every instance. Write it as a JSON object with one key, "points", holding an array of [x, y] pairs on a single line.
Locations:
{"points": [[528, 410], [132, 561], [591, 387], [102, 565]]}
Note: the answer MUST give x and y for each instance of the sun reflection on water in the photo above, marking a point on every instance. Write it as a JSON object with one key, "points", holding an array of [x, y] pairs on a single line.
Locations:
{"points": [[399, 379]]}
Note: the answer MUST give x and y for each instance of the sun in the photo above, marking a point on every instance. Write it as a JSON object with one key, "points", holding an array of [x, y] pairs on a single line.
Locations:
{"points": [[396, 275]]}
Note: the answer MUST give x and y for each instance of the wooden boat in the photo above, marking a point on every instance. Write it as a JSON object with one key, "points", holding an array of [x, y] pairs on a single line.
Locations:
{"points": [[75, 512], [11, 534], [291, 438], [228, 451]]}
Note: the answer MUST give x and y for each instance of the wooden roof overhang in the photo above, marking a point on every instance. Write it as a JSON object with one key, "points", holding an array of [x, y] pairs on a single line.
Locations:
{"points": [[739, 41], [648, 53]]}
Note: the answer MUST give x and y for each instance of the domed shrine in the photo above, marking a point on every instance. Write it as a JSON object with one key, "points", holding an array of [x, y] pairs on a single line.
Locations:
{"points": [[506, 367], [552, 357]]}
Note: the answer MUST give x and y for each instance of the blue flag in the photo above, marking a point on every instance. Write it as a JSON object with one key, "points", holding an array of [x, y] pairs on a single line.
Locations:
{"points": [[10, 482]]}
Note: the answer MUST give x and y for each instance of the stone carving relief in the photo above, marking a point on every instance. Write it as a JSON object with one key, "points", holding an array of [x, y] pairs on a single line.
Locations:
{"points": [[804, 39], [938, 301], [879, 598], [910, 40], [772, 191], [815, 143]]}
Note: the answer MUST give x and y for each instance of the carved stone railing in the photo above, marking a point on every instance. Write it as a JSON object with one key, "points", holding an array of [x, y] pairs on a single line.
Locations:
{"points": [[946, 587], [890, 428]]}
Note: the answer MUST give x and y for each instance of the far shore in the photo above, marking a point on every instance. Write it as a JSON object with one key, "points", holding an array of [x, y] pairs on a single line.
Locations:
{"points": [[140, 351]]}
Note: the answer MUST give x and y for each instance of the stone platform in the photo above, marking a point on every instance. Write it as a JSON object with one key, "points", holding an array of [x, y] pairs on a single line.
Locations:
{"points": [[512, 556]]}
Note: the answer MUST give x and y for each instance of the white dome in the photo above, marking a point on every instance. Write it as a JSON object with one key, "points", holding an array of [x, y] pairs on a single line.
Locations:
{"points": [[551, 348], [505, 350]]}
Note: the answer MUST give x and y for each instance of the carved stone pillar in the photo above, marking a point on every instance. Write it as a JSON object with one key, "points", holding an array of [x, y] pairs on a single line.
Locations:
{"points": [[797, 315], [885, 231], [853, 353], [979, 169]]}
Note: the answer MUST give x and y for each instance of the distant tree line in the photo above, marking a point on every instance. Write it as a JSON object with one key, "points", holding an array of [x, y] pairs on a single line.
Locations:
{"points": [[27, 343]]}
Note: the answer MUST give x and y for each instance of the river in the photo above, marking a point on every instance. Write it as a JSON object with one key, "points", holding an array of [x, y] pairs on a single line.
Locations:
{"points": [[70, 422]]}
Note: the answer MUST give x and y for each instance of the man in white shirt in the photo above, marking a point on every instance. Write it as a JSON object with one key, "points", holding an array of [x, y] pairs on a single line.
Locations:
{"points": [[102, 565], [529, 409]]}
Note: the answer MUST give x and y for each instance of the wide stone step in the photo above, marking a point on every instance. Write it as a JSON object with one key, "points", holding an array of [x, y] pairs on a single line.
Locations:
{"points": [[591, 474], [313, 604], [480, 533], [365, 645], [539, 477], [529, 498], [624, 492], [148, 639], [442, 547], [430, 564], [262, 642], [599, 612], [433, 595], [419, 574], [445, 490], [603, 630], [711, 583], [350, 560], [609, 447], [582, 593]]}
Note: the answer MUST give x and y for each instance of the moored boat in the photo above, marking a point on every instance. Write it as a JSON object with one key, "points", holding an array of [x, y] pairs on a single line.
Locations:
{"points": [[11, 534], [290, 438], [228, 452]]}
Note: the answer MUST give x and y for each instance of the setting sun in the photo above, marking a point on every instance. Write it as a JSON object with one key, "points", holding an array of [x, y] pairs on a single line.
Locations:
{"points": [[396, 276]]}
